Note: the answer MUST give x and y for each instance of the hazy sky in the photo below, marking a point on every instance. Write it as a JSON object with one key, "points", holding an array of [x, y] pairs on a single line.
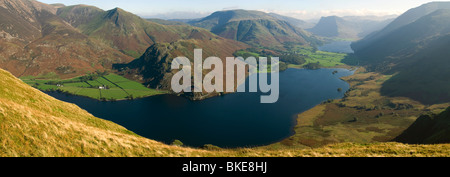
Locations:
{"points": [[304, 9]]}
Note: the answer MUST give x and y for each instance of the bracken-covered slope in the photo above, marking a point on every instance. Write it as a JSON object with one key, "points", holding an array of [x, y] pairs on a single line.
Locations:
{"points": [[33, 124], [35, 41], [255, 28]]}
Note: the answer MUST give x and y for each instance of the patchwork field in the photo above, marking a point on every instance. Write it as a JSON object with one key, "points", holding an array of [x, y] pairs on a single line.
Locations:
{"points": [[325, 59], [299, 56], [107, 87]]}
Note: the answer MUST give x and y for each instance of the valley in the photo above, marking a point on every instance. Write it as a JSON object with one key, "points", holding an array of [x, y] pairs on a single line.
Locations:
{"points": [[84, 81]]}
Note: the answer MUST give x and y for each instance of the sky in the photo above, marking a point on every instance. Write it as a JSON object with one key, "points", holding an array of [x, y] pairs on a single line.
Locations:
{"points": [[302, 9]]}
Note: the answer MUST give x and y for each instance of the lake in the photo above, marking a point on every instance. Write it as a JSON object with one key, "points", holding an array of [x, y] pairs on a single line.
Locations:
{"points": [[337, 47], [232, 120]]}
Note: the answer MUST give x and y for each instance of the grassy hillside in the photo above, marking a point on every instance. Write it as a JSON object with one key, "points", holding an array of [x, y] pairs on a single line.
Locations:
{"points": [[34, 124]]}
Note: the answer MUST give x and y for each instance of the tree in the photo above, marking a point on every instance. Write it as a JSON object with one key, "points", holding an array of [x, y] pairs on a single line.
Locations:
{"points": [[312, 66], [177, 143], [295, 59]]}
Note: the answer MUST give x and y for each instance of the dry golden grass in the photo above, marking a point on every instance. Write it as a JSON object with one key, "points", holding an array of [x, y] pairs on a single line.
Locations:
{"points": [[33, 124], [307, 118]]}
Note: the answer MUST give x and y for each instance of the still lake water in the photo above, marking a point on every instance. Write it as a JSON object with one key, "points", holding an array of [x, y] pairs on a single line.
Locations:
{"points": [[233, 120]]}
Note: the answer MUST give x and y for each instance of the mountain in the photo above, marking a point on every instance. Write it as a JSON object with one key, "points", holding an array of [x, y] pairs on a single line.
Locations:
{"points": [[408, 17], [69, 41], [34, 41], [334, 26], [120, 29], [428, 129], [417, 56], [351, 27], [255, 28], [153, 67]]}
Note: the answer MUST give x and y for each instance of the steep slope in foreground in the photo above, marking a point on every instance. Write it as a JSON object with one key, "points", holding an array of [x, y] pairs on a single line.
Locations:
{"points": [[428, 129], [35, 124]]}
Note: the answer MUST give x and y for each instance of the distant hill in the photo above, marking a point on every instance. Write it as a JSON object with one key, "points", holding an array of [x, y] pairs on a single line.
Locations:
{"points": [[428, 129], [417, 54], [350, 27], [294, 21], [255, 28], [34, 41], [166, 22], [408, 17]]}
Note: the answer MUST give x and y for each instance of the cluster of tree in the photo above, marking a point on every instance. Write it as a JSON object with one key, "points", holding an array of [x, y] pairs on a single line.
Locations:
{"points": [[93, 76], [312, 65], [295, 59], [108, 99], [52, 83]]}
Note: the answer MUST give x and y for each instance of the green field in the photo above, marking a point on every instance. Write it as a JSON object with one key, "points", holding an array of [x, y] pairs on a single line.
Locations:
{"points": [[304, 54], [115, 87], [326, 59]]}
